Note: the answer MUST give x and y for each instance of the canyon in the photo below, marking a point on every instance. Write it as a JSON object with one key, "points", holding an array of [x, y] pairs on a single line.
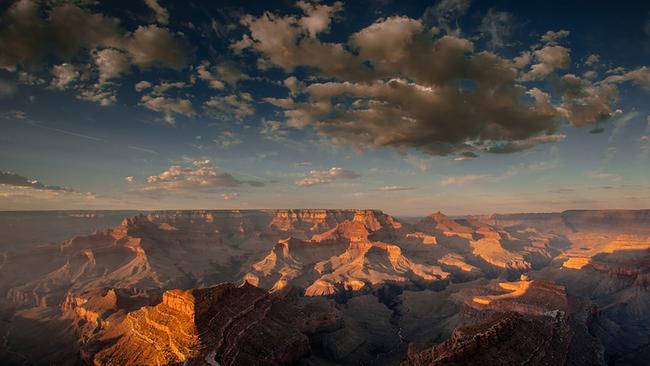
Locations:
{"points": [[324, 287]]}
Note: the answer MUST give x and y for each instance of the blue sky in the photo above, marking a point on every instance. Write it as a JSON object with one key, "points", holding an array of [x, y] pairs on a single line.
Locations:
{"points": [[409, 107]]}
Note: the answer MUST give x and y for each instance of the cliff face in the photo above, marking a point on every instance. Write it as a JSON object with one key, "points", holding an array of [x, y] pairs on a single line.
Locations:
{"points": [[504, 339], [344, 258], [526, 322], [530, 297], [225, 325]]}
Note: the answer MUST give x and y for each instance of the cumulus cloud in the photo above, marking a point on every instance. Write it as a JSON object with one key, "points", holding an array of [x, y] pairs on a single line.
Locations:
{"points": [[142, 85], [400, 87], [220, 75], [317, 17], [28, 39], [63, 75], [549, 59], [162, 15], [152, 45], [33, 33], [110, 63], [403, 114], [129, 179], [237, 106], [317, 177], [164, 86], [168, 106], [585, 103], [98, 93], [294, 85], [17, 180], [640, 76], [202, 176], [552, 37], [284, 42], [592, 60]]}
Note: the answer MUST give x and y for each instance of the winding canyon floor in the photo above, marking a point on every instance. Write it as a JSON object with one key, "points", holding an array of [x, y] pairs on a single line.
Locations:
{"points": [[324, 287]]}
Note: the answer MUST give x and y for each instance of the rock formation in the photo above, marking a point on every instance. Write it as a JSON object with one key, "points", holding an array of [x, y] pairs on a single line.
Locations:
{"points": [[225, 325], [339, 286]]}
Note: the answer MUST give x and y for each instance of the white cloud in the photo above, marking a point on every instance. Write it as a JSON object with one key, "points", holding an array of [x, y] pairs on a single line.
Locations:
{"points": [[111, 63], [201, 176], [317, 177]]}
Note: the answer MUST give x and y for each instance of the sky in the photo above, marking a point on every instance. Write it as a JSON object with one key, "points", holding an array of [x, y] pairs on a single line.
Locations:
{"points": [[406, 106]]}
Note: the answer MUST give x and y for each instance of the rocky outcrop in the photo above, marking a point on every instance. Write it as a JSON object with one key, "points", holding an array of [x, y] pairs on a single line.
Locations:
{"points": [[503, 339], [225, 325], [99, 309], [345, 258], [531, 297]]}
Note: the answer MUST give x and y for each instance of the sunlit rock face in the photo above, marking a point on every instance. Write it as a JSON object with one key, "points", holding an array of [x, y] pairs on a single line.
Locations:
{"points": [[358, 255], [358, 285], [225, 324]]}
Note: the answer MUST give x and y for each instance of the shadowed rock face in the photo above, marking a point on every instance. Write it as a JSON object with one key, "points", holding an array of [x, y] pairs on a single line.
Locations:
{"points": [[492, 342], [526, 322]]}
